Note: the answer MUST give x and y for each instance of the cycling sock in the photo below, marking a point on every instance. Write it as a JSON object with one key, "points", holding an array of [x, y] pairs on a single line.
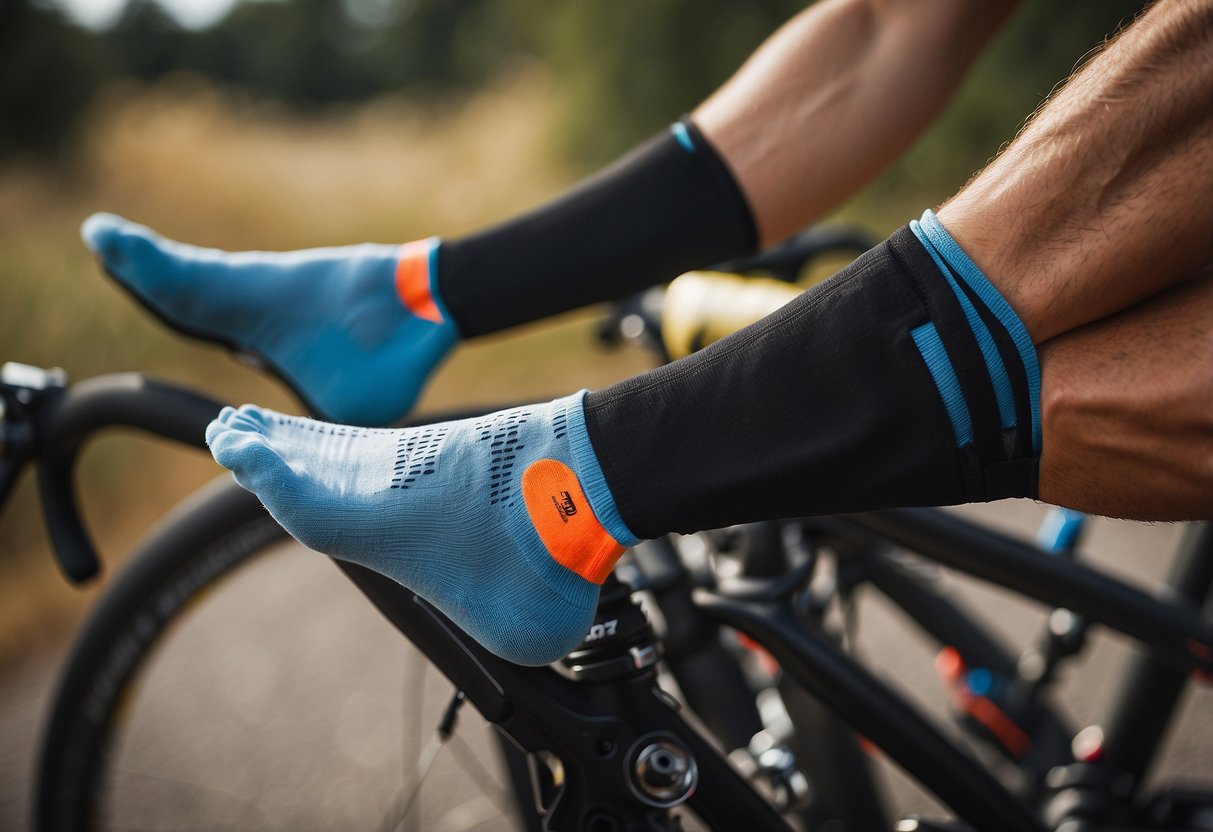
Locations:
{"points": [[354, 330], [357, 330], [502, 522], [904, 380], [669, 206]]}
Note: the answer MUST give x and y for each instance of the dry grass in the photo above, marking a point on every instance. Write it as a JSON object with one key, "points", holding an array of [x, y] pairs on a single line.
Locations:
{"points": [[205, 167]]}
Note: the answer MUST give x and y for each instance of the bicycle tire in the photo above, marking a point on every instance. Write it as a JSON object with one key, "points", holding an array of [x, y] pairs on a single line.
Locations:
{"points": [[204, 541]]}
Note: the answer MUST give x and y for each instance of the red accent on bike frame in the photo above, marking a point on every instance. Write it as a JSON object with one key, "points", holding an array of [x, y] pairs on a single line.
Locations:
{"points": [[868, 747], [1088, 752], [1205, 652], [951, 667], [949, 664], [768, 662], [998, 723]]}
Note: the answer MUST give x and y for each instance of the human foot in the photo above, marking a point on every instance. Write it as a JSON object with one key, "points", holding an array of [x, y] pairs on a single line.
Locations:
{"points": [[504, 522], [355, 331]]}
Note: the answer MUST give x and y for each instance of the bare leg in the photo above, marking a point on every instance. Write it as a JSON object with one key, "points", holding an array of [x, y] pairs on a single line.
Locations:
{"points": [[1127, 410], [836, 95], [1106, 197]]}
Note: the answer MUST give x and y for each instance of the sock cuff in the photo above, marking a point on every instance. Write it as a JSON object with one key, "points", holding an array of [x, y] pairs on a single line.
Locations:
{"points": [[431, 261], [682, 134], [417, 282], [955, 265], [589, 472]]}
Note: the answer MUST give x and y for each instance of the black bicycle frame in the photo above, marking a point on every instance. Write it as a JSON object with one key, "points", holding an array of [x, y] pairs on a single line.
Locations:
{"points": [[588, 727], [1146, 702], [1172, 628], [1174, 637], [532, 714], [947, 622], [591, 727]]}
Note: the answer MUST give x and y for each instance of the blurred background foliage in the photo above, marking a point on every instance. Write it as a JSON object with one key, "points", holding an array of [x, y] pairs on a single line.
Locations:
{"points": [[626, 67], [290, 123]]}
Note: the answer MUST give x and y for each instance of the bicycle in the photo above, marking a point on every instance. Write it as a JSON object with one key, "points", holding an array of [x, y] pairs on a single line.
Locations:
{"points": [[606, 748]]}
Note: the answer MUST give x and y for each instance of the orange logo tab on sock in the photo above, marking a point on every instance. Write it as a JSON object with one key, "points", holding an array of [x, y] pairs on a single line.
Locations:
{"points": [[413, 280], [567, 526]]}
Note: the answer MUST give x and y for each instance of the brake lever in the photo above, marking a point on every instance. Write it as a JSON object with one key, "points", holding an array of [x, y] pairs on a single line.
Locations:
{"points": [[24, 391], [118, 400]]}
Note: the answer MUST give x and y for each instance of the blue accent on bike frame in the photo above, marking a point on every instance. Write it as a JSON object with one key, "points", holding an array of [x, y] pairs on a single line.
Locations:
{"points": [[1060, 529], [926, 338], [980, 681], [985, 341], [979, 283], [683, 136]]}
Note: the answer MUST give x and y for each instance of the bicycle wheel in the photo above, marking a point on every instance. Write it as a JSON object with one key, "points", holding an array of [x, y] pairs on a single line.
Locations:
{"points": [[282, 701]]}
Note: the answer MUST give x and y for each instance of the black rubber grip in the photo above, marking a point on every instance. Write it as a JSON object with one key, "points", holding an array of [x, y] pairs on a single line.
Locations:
{"points": [[122, 400]]}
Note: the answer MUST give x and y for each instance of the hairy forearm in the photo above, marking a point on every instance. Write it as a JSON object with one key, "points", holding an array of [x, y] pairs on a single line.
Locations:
{"points": [[1127, 420], [836, 95], [1106, 196]]}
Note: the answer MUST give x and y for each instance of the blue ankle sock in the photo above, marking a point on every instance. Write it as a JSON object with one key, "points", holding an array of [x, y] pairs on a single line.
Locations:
{"points": [[505, 523], [355, 331]]}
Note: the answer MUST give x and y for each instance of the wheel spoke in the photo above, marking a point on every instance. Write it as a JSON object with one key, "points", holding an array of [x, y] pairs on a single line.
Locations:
{"points": [[398, 811], [144, 777], [492, 789]]}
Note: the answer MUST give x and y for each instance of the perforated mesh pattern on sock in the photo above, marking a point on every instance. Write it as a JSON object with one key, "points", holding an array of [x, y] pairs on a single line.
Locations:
{"points": [[560, 425], [444, 510], [417, 454], [326, 429], [501, 432]]}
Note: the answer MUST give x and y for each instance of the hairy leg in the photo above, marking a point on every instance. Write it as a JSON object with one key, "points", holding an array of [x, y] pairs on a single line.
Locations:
{"points": [[836, 95], [1127, 410], [1106, 196]]}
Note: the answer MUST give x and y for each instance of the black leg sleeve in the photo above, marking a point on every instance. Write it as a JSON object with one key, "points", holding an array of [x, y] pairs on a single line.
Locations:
{"points": [[866, 392], [669, 206]]}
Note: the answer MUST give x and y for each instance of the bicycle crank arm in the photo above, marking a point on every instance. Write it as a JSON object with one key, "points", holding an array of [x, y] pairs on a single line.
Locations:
{"points": [[599, 733]]}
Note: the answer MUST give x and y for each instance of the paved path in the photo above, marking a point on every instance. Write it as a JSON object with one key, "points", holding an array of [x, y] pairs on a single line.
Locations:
{"points": [[331, 722]]}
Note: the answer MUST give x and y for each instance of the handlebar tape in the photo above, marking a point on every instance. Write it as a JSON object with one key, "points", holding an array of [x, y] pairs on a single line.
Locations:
{"points": [[126, 400], [699, 308]]}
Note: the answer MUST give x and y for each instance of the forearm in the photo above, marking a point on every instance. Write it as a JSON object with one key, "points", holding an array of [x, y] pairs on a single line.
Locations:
{"points": [[836, 95], [1126, 409], [1106, 197]]}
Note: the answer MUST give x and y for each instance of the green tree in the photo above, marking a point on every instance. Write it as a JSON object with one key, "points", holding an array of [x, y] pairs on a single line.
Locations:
{"points": [[49, 71]]}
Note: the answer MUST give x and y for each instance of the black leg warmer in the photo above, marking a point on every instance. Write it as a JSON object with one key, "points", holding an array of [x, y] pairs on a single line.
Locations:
{"points": [[868, 391], [669, 206]]}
